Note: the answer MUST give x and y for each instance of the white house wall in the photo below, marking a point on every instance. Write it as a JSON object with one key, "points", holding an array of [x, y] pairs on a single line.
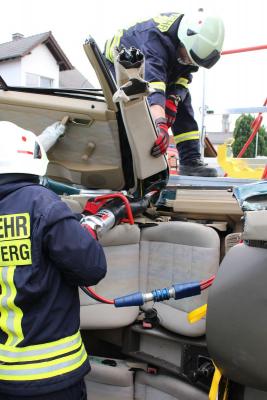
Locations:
{"points": [[11, 72], [40, 62]]}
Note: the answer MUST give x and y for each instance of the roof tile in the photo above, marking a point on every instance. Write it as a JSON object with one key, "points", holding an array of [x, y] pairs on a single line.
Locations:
{"points": [[20, 47]]}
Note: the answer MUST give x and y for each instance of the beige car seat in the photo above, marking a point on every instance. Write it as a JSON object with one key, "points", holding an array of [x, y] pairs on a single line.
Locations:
{"points": [[177, 252], [165, 387], [121, 246]]}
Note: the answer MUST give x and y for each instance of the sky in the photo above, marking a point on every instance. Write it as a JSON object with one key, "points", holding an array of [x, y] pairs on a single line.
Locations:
{"points": [[236, 81]]}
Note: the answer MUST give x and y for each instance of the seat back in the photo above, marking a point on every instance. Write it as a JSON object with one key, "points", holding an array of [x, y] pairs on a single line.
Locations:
{"points": [[121, 246], [137, 119], [236, 317], [177, 252], [253, 394]]}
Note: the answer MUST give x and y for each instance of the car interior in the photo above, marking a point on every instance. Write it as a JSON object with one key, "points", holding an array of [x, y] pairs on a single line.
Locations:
{"points": [[187, 233]]}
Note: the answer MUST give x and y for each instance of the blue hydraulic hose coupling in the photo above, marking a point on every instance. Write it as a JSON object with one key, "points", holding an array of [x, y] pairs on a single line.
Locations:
{"points": [[189, 289], [161, 294], [177, 291], [134, 299]]}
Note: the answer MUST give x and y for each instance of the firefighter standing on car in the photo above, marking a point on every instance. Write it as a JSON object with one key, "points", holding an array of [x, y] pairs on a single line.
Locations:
{"points": [[174, 46], [45, 254]]}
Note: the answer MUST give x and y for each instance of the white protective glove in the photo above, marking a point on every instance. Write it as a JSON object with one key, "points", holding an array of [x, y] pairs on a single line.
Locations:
{"points": [[51, 134]]}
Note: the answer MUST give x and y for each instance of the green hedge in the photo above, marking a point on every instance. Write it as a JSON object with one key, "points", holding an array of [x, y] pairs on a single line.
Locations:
{"points": [[241, 134]]}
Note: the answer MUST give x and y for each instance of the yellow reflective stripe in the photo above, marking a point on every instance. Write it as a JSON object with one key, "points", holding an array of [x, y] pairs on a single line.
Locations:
{"points": [[196, 137], [193, 135], [183, 82], [164, 22], [11, 315], [158, 85], [4, 313], [43, 370], [17, 313], [214, 389], [41, 351], [107, 49], [111, 44], [49, 345]]}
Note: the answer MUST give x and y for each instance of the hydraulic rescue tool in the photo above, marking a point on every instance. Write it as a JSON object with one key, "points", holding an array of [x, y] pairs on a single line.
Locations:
{"points": [[106, 212]]}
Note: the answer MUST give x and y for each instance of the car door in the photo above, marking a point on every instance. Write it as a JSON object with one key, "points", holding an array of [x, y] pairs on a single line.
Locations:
{"points": [[95, 151]]}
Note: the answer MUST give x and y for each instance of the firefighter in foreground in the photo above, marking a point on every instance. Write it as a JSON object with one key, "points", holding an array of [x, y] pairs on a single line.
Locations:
{"points": [[174, 46], [45, 255]]}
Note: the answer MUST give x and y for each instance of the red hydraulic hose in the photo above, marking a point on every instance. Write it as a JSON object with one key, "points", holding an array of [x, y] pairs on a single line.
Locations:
{"points": [[125, 201], [256, 126], [207, 283], [98, 297], [257, 122], [264, 175], [245, 49]]}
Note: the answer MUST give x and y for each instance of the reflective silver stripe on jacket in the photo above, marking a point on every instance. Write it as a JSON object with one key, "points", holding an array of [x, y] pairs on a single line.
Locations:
{"points": [[43, 370], [39, 352]]}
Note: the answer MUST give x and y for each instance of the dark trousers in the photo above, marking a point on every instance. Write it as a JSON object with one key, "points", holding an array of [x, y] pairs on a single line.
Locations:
{"points": [[189, 150], [75, 392]]}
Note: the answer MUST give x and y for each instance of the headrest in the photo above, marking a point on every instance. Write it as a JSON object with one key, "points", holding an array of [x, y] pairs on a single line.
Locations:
{"points": [[255, 226]]}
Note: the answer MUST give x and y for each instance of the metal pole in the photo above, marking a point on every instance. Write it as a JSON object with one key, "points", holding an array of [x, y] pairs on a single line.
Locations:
{"points": [[256, 144], [203, 114]]}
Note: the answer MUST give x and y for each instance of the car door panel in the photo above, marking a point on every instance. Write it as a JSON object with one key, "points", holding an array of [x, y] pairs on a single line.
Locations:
{"points": [[89, 153]]}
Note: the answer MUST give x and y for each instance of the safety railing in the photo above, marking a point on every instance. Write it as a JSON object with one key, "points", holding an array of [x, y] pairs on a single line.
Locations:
{"points": [[258, 120], [226, 112]]}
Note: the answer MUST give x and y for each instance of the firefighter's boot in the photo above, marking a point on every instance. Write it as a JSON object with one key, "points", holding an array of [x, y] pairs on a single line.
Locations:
{"points": [[197, 168], [190, 162]]}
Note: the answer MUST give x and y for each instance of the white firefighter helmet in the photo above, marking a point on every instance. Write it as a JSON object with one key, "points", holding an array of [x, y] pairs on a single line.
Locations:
{"points": [[202, 36], [20, 151]]}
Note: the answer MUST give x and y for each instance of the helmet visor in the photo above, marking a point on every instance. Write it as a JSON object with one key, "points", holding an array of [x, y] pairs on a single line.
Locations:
{"points": [[208, 61]]}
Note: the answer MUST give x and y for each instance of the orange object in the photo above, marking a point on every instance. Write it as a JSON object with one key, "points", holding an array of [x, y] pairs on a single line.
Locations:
{"points": [[172, 157]]}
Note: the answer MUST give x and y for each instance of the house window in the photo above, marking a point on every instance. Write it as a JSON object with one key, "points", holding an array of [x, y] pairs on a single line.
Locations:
{"points": [[34, 80], [46, 82]]}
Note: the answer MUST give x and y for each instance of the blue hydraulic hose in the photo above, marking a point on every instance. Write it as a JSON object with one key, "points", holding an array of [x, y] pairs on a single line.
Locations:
{"points": [[176, 291]]}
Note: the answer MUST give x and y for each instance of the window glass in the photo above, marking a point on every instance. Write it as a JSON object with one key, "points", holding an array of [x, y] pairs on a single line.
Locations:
{"points": [[46, 82], [32, 80]]}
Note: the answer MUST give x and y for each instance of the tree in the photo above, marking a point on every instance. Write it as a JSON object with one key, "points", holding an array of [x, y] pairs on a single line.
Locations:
{"points": [[242, 131]]}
